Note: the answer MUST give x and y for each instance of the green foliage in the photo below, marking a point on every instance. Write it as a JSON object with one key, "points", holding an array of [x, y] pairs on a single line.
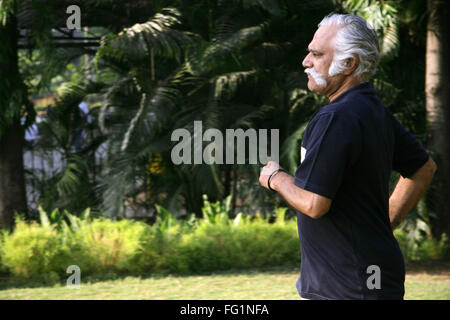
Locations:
{"points": [[216, 212], [7, 8], [228, 63], [61, 132], [220, 243], [14, 102], [231, 70], [425, 248], [34, 251], [96, 246], [103, 246], [383, 17], [231, 64], [272, 6], [155, 36], [211, 243], [3, 235]]}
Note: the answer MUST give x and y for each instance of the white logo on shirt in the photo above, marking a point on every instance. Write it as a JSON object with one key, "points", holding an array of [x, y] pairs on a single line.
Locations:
{"points": [[302, 154]]}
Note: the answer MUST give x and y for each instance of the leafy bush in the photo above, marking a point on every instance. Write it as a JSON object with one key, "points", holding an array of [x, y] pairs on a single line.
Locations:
{"points": [[424, 248], [3, 269], [106, 246], [220, 243], [34, 251], [196, 245], [99, 246], [431, 249]]}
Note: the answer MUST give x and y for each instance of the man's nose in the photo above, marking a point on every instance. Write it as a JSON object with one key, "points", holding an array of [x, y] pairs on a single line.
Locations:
{"points": [[306, 63]]}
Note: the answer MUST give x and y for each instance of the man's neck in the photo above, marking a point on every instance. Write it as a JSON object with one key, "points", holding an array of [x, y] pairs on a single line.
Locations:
{"points": [[347, 84]]}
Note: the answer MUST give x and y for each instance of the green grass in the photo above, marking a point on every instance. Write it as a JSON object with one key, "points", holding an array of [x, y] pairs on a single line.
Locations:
{"points": [[427, 282]]}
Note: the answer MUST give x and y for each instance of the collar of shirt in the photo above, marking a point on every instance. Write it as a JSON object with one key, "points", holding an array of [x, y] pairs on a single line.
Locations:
{"points": [[361, 86]]}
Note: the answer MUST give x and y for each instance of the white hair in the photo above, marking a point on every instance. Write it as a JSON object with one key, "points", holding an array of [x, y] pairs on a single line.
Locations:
{"points": [[355, 37]]}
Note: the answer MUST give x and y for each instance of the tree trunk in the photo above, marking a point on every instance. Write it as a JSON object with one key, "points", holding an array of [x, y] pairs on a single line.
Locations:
{"points": [[12, 99], [12, 184], [437, 106]]}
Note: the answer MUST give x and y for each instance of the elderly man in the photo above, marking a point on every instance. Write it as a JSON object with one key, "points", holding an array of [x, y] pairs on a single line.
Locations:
{"points": [[341, 187]]}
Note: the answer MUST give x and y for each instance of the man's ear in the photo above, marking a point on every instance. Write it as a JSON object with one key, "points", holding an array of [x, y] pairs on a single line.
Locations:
{"points": [[350, 65]]}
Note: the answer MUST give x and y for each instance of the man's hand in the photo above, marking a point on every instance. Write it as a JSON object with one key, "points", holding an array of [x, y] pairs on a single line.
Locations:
{"points": [[266, 171], [309, 203]]}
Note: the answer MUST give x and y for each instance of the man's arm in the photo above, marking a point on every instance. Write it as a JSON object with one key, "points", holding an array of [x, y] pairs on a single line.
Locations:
{"points": [[309, 203], [408, 192]]}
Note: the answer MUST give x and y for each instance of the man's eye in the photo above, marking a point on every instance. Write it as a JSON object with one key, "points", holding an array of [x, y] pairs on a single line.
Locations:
{"points": [[316, 54]]}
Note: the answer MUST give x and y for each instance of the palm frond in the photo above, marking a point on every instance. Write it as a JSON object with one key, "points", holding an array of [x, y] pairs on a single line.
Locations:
{"points": [[71, 176], [271, 6], [215, 53], [298, 98], [245, 115], [157, 35], [154, 111], [7, 8], [109, 98], [387, 91], [290, 150], [118, 181], [135, 119], [383, 17], [224, 28], [390, 44], [226, 85]]}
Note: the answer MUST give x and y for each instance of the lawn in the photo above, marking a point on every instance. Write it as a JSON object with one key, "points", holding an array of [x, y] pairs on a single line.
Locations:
{"points": [[423, 281]]}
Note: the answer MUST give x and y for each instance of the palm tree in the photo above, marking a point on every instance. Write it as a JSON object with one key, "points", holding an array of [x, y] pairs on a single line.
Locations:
{"points": [[14, 105], [137, 106], [238, 75], [37, 18], [72, 136], [437, 100], [155, 78]]}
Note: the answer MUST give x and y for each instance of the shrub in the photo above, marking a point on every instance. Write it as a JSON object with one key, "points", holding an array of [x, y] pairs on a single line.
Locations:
{"points": [[3, 269], [207, 248], [33, 251], [106, 246], [261, 244], [212, 243], [219, 243], [421, 249], [430, 249]]}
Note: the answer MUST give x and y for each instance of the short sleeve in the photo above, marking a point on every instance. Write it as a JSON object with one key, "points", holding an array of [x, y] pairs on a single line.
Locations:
{"points": [[409, 155], [331, 144]]}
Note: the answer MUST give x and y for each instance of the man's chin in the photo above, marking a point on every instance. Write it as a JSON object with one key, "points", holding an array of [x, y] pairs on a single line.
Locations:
{"points": [[314, 87]]}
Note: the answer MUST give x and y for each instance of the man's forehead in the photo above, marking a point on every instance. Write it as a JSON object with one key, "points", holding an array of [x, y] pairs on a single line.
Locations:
{"points": [[322, 38]]}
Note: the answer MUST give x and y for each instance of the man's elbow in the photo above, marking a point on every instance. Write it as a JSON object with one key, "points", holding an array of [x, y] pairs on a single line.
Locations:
{"points": [[316, 214], [318, 211], [433, 166], [428, 169], [426, 172], [311, 204]]}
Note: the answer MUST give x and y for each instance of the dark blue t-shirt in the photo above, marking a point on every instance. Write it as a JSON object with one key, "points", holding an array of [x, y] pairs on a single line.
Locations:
{"points": [[348, 151]]}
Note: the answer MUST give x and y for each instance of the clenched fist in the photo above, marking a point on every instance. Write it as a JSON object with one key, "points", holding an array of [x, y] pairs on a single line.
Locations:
{"points": [[266, 171]]}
